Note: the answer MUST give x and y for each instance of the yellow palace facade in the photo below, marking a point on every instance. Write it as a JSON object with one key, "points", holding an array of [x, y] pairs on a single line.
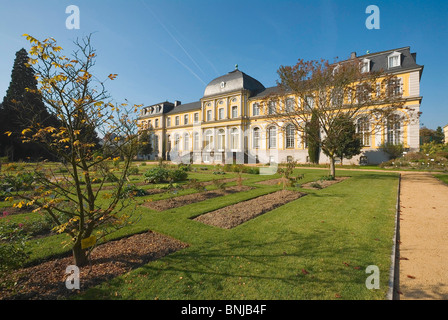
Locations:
{"points": [[228, 125]]}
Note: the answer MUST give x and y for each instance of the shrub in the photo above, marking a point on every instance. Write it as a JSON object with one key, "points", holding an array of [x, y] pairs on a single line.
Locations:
{"points": [[177, 175], [316, 185], [157, 175], [133, 170], [160, 175], [195, 184], [12, 245], [184, 167], [131, 190], [20, 182]]}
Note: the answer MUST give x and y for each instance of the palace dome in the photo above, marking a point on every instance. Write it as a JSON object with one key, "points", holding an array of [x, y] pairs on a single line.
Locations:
{"points": [[233, 81]]}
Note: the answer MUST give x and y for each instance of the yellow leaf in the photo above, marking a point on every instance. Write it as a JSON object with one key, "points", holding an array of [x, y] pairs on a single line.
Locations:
{"points": [[25, 131], [8, 133], [112, 76]]}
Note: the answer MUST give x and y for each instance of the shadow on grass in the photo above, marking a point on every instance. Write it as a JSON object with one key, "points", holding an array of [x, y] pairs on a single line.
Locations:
{"points": [[285, 263]]}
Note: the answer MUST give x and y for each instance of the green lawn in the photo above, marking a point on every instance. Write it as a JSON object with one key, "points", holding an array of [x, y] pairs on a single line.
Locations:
{"points": [[442, 177], [316, 247]]}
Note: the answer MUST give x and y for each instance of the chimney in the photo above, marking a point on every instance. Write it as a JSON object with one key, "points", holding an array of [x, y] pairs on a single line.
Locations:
{"points": [[353, 55], [177, 103]]}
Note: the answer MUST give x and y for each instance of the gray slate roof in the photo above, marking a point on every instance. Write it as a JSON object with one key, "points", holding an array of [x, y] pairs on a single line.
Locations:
{"points": [[185, 107], [233, 81]]}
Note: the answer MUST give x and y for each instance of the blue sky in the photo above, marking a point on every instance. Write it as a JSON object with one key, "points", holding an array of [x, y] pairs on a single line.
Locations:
{"points": [[170, 49]]}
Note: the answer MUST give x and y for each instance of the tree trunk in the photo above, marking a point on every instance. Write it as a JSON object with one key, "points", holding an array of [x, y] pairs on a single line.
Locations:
{"points": [[332, 167], [79, 255]]}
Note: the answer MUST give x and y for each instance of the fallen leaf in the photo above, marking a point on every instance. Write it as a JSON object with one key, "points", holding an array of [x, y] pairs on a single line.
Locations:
{"points": [[411, 277], [337, 295]]}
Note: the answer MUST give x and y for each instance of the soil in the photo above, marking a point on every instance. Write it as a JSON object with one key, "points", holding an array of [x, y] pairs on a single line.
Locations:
{"points": [[46, 281], [234, 215], [180, 201], [323, 183]]}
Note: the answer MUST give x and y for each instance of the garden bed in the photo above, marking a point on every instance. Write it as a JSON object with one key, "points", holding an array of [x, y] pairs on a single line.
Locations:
{"points": [[180, 201], [322, 183], [46, 281], [234, 215]]}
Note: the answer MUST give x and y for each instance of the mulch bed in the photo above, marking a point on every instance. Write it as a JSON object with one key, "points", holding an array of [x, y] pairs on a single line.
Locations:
{"points": [[323, 183], [46, 281], [180, 201], [234, 215]]}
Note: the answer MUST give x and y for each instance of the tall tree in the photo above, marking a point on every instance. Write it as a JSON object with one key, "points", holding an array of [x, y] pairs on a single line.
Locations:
{"points": [[23, 106], [313, 139], [330, 90]]}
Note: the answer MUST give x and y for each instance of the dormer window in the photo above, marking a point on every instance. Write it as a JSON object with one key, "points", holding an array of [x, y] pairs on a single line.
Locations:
{"points": [[394, 60], [365, 66], [223, 85]]}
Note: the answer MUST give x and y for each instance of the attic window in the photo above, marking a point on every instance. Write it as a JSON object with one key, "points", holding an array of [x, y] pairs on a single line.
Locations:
{"points": [[223, 85], [365, 66], [394, 60]]}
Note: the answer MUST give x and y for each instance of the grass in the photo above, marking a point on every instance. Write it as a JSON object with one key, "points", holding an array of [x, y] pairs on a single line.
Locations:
{"points": [[442, 177], [316, 247]]}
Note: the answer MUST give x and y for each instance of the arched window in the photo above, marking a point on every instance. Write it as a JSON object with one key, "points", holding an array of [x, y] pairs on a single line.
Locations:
{"points": [[363, 127], [196, 145], [394, 130], [176, 142], [156, 143], [208, 140], [186, 142], [272, 137], [221, 139], [256, 138], [290, 133], [234, 137]]}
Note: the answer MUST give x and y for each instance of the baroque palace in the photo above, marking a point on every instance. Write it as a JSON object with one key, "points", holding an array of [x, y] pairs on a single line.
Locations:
{"points": [[228, 125]]}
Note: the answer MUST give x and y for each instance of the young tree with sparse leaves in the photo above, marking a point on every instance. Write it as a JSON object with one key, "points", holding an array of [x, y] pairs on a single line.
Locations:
{"points": [[71, 194]]}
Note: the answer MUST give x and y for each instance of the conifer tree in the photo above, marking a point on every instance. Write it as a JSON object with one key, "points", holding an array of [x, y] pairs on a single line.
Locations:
{"points": [[22, 107]]}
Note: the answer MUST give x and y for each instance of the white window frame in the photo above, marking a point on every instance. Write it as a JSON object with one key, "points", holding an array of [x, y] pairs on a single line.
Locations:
{"points": [[272, 137], [220, 113], [186, 142], [256, 109], [363, 128], [209, 115], [256, 138], [365, 65], [196, 117], [234, 139], [221, 139], [234, 112], [395, 58], [290, 136], [186, 119]]}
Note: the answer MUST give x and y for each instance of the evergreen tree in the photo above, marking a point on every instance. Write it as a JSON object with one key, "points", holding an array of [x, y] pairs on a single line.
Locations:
{"points": [[313, 139], [22, 106], [344, 138]]}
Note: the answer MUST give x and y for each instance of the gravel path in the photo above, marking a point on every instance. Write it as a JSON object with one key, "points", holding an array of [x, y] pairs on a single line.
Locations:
{"points": [[423, 233]]}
